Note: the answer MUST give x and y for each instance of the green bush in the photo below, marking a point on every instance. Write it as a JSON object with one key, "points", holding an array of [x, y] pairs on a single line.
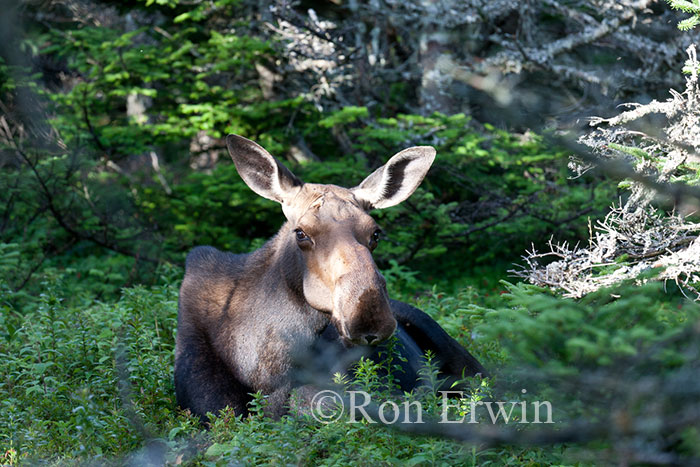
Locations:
{"points": [[93, 380], [61, 372]]}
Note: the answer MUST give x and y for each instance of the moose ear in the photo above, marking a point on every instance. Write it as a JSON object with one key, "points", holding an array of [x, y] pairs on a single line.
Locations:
{"points": [[260, 171], [396, 180]]}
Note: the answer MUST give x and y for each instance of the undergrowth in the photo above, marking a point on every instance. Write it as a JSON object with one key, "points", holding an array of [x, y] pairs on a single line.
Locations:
{"points": [[92, 381]]}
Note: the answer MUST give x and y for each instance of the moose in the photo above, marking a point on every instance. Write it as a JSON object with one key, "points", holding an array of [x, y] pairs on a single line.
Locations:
{"points": [[246, 321]]}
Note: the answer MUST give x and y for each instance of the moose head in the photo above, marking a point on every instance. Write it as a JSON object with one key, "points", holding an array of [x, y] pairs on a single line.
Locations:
{"points": [[331, 235]]}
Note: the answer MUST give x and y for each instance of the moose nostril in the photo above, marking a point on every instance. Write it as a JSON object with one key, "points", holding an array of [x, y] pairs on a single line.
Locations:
{"points": [[370, 338]]}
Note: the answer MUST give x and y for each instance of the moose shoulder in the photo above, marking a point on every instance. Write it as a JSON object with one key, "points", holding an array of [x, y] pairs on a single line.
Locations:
{"points": [[244, 320]]}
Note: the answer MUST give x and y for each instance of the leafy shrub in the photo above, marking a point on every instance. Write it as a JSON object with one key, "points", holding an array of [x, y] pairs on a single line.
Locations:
{"points": [[629, 351], [591, 333], [93, 381], [62, 366]]}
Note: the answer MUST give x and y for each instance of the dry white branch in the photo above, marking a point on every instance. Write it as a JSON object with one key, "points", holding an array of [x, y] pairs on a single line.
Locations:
{"points": [[634, 237], [484, 41]]}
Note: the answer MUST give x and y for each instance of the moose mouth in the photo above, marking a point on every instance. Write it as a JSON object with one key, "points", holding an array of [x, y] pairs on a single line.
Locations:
{"points": [[340, 327], [349, 343], [365, 339]]}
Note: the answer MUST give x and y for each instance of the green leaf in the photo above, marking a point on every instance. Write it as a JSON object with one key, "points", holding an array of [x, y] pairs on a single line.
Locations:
{"points": [[345, 115], [218, 449]]}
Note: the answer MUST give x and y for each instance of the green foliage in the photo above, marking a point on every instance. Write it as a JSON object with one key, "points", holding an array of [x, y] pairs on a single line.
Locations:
{"points": [[86, 357], [602, 328], [638, 153], [93, 382], [345, 115], [629, 350], [487, 188], [687, 6], [193, 79], [622, 350], [692, 7], [212, 209], [298, 440], [61, 368], [460, 315], [295, 439]]}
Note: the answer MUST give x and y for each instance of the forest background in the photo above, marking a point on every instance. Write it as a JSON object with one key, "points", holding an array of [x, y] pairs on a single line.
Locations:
{"points": [[555, 236]]}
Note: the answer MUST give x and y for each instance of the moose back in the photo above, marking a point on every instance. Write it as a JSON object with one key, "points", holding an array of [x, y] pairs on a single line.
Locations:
{"points": [[246, 321]]}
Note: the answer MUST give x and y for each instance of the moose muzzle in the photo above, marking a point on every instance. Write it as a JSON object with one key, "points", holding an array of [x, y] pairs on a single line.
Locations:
{"points": [[361, 310]]}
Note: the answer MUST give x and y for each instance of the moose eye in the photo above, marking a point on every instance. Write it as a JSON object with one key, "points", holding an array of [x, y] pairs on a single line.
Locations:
{"points": [[375, 239], [301, 235]]}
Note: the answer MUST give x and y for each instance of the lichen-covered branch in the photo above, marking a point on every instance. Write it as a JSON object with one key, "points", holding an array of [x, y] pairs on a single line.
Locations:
{"points": [[635, 237], [437, 45]]}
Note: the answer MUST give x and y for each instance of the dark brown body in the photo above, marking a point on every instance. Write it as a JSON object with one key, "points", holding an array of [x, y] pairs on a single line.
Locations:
{"points": [[230, 342], [252, 322]]}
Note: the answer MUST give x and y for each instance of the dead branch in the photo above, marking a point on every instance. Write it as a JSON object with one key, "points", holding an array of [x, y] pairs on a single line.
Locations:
{"points": [[635, 237]]}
